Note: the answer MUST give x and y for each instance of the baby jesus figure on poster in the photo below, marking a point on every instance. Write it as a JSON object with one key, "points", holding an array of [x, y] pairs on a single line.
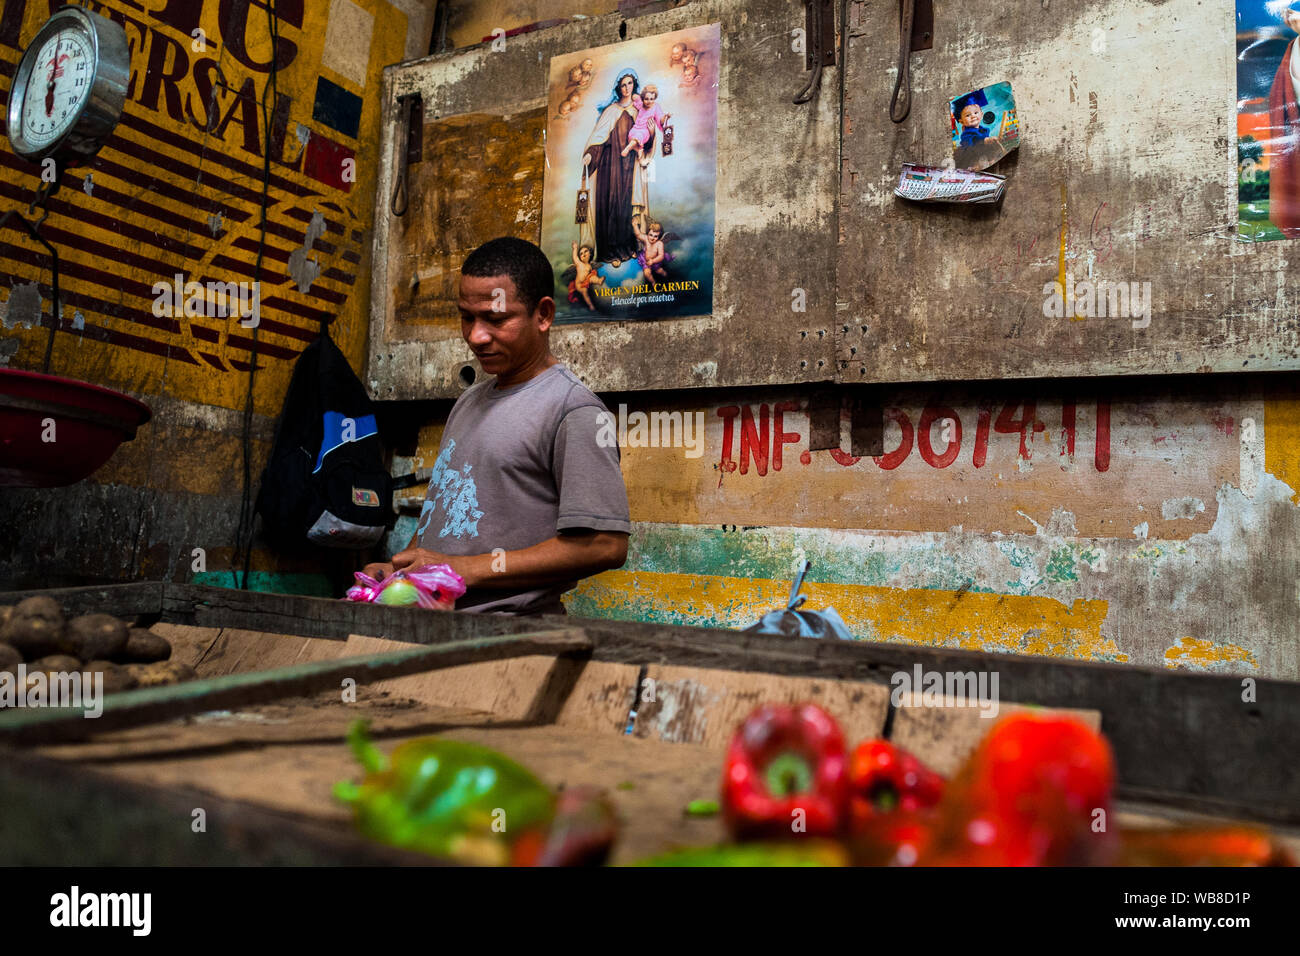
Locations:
{"points": [[619, 168], [648, 115]]}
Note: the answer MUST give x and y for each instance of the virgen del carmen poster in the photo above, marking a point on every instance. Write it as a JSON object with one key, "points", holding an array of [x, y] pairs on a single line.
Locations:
{"points": [[631, 164]]}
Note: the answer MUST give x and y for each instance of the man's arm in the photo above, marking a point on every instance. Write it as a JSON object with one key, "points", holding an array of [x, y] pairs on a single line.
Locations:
{"points": [[566, 557]]}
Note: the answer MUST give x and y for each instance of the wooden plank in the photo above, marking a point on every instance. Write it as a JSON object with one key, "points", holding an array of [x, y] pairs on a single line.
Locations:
{"points": [[283, 765], [189, 644], [475, 686], [62, 815], [329, 618], [127, 601], [583, 695], [943, 736], [236, 651], [704, 706], [154, 704], [1081, 206]]}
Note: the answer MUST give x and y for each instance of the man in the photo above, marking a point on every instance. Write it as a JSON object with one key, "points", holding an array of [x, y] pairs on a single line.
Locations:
{"points": [[523, 501]]}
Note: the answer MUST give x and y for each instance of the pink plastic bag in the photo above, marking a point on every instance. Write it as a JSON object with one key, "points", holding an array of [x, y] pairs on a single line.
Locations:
{"points": [[434, 587]]}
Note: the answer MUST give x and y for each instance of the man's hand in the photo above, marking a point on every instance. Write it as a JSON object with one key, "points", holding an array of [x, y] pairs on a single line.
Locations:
{"points": [[467, 566], [417, 557], [378, 571]]}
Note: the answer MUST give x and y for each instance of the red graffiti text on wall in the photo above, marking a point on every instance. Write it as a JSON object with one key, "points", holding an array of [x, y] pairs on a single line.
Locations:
{"points": [[937, 436]]}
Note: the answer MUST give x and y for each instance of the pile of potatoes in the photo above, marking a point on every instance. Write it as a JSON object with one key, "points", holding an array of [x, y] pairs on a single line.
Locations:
{"points": [[36, 631]]}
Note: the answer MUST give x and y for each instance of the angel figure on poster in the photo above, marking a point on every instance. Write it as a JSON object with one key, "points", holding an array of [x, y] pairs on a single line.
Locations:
{"points": [[618, 169]]}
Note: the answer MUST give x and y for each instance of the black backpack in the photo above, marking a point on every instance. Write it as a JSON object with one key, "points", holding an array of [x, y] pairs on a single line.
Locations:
{"points": [[325, 480]]}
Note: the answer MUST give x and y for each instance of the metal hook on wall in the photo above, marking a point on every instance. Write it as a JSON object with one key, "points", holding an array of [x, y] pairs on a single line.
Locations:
{"points": [[410, 106], [915, 32]]}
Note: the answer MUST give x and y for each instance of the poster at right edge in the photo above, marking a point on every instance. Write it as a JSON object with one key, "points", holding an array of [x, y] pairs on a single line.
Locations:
{"points": [[1268, 120]]}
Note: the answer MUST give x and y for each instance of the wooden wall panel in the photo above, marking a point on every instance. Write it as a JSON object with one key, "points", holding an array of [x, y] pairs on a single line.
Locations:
{"points": [[776, 192], [1126, 173]]}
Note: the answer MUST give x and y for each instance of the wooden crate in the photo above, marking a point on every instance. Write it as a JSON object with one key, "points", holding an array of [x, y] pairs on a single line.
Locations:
{"points": [[262, 768]]}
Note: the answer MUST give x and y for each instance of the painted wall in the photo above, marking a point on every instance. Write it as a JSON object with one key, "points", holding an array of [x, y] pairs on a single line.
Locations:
{"points": [[177, 189], [1152, 525]]}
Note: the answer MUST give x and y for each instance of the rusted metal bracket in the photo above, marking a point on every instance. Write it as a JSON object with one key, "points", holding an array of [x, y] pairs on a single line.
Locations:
{"points": [[824, 420], [922, 24], [867, 424], [415, 128], [153, 705], [823, 46]]}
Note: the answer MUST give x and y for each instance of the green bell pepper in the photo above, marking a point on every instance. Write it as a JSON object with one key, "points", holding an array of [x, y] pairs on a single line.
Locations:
{"points": [[448, 798]]}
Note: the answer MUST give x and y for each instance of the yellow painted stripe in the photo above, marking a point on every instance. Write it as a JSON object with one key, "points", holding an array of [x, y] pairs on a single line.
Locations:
{"points": [[1282, 442], [1021, 624]]}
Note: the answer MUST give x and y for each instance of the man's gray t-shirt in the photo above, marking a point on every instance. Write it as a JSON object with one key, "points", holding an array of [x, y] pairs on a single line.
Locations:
{"points": [[516, 467]]}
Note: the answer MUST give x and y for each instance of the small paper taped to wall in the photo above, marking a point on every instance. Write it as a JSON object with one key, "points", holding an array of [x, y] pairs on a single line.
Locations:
{"points": [[939, 184]]}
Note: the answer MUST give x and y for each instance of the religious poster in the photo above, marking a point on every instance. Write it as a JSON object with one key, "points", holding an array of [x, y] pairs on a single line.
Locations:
{"points": [[631, 164], [1268, 120]]}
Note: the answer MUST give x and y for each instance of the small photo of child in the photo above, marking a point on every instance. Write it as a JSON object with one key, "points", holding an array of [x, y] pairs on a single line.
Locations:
{"points": [[984, 126]]}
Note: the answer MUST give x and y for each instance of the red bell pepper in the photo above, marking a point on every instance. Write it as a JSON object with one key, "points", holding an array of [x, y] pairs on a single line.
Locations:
{"points": [[891, 800], [884, 778], [1029, 796], [785, 774]]}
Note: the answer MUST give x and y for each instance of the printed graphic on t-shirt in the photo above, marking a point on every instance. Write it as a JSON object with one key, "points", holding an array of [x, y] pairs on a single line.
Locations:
{"points": [[455, 493]]}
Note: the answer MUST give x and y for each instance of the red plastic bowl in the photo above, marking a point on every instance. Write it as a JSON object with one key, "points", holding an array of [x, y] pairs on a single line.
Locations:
{"points": [[89, 423]]}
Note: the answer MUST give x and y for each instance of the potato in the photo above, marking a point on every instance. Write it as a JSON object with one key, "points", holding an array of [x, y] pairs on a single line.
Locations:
{"points": [[39, 606], [116, 677], [144, 647], [95, 637], [56, 663], [161, 673], [9, 658], [34, 628]]}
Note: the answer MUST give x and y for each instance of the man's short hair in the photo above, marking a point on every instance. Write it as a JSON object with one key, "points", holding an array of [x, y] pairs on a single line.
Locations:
{"points": [[525, 264]]}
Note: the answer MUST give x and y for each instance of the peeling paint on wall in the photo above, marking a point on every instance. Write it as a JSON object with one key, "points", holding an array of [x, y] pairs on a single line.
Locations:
{"points": [[1196, 654], [23, 308]]}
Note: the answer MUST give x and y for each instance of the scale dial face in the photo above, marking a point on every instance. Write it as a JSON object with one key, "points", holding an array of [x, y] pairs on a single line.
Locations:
{"points": [[69, 88], [59, 86]]}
